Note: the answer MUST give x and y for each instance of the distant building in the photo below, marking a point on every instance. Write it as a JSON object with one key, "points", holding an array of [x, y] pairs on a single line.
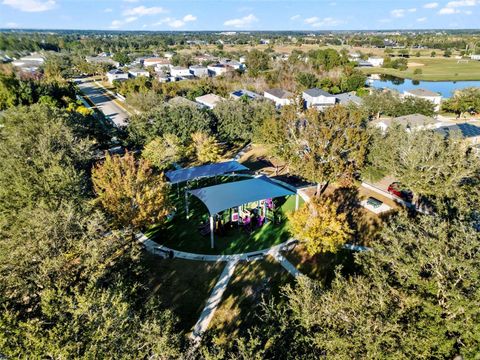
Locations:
{"points": [[318, 98], [235, 65], [179, 71], [434, 97], [217, 69], [209, 100], [279, 96], [168, 55], [135, 72], [116, 74], [102, 60], [238, 94], [409, 122], [375, 61], [155, 61], [29, 63], [475, 57], [348, 98], [198, 71]]}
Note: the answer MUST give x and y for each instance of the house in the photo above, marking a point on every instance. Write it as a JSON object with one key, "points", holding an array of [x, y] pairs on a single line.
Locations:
{"points": [[434, 97], [97, 60], [279, 96], [29, 63], [318, 98], [217, 69], [348, 98], [375, 61], [475, 57], [354, 56], [198, 70], [168, 55], [410, 122], [364, 63], [209, 100], [232, 63], [468, 132], [179, 71], [162, 77], [116, 75], [153, 61], [250, 95], [136, 72]]}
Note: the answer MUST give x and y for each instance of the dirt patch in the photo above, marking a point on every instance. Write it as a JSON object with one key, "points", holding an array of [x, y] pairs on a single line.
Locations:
{"points": [[415, 64]]}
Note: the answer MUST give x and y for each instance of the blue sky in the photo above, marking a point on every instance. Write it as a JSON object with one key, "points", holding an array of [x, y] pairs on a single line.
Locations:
{"points": [[239, 15]]}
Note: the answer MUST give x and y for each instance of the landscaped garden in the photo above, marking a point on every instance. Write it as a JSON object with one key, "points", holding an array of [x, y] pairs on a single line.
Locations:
{"points": [[185, 234]]}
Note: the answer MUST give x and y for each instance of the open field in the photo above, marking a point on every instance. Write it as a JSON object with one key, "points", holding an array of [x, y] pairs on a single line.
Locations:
{"points": [[434, 69]]}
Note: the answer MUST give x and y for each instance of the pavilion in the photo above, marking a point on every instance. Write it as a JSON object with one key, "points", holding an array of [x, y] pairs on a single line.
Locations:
{"points": [[222, 197], [197, 172]]}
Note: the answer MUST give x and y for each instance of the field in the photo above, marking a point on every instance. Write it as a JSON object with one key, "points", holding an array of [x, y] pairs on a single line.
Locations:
{"points": [[434, 69]]}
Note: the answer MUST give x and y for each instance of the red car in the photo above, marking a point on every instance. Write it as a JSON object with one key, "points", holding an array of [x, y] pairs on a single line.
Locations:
{"points": [[398, 190]]}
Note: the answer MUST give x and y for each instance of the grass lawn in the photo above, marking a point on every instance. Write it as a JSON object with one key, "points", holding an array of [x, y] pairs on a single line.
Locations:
{"points": [[251, 282], [434, 69], [183, 285], [183, 234]]}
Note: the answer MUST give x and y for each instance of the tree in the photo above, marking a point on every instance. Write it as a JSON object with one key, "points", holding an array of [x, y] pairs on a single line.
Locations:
{"points": [[206, 147], [466, 100], [257, 61], [164, 151], [307, 80], [121, 57], [320, 225], [433, 54], [130, 192], [447, 53]]}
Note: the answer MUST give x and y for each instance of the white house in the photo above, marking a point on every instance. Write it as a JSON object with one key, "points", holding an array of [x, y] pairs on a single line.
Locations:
{"points": [[409, 122], [168, 55], [238, 94], [153, 61], [198, 70], [209, 100], [116, 74], [217, 69], [135, 72], [434, 97], [29, 63], [232, 63], [179, 71], [375, 61], [279, 96], [475, 57], [318, 98]]}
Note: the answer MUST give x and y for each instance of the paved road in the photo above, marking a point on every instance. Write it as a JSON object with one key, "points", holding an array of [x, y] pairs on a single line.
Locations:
{"points": [[103, 102]]}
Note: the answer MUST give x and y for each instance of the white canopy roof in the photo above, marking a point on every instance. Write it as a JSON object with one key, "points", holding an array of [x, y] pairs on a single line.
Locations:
{"points": [[225, 196], [181, 175]]}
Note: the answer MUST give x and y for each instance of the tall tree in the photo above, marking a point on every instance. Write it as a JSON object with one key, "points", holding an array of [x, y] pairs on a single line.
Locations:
{"points": [[130, 192], [206, 147], [163, 152]]}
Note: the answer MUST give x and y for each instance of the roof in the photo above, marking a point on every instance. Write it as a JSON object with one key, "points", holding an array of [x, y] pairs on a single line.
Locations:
{"points": [[210, 99], [182, 175], [466, 130], [347, 98], [179, 100], [247, 93], [116, 72], [422, 92], [315, 92], [280, 93], [225, 196]]}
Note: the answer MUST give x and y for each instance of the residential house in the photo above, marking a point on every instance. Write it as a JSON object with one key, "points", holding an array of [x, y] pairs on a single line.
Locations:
{"points": [[375, 61], [217, 69], [179, 71], [238, 94], [29, 63], [136, 72], [179, 100], [279, 96], [364, 63], [116, 74], [318, 98], [162, 77], [409, 122], [468, 132], [349, 98], [235, 65], [101, 60], [209, 100], [475, 57], [153, 61], [198, 70], [434, 97], [168, 55]]}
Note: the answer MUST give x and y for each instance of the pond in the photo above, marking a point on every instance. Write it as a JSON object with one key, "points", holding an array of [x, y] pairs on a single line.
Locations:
{"points": [[446, 88]]}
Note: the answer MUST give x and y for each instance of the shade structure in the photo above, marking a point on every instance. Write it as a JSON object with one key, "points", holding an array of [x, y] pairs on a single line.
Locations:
{"points": [[225, 196], [182, 175]]}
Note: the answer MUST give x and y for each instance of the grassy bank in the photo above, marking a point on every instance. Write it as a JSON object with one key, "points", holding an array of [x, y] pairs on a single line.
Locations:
{"points": [[434, 69]]}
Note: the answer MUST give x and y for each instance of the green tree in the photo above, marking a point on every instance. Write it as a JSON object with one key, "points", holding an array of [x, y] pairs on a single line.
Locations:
{"points": [[206, 147], [257, 61], [163, 152], [307, 80]]}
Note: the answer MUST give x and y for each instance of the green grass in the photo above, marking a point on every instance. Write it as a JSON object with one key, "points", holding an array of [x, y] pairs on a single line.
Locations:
{"points": [[183, 234], [434, 69]]}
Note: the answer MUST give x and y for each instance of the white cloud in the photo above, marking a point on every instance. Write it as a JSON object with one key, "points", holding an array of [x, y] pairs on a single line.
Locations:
{"points": [[448, 11], [328, 21], [412, 10], [241, 22], [142, 10], [131, 1], [452, 7], [461, 3], [116, 24], [398, 13], [176, 23], [130, 19], [30, 5], [295, 17], [422, 19], [431, 5], [311, 20]]}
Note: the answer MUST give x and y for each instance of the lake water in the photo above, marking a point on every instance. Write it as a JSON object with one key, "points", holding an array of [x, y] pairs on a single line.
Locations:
{"points": [[446, 88]]}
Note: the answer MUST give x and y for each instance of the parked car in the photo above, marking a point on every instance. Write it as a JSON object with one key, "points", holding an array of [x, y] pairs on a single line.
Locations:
{"points": [[375, 203], [398, 190]]}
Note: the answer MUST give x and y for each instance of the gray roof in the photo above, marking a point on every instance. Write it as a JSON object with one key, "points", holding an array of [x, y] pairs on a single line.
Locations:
{"points": [[280, 93], [116, 72], [226, 196], [182, 175], [422, 92], [465, 130], [347, 98], [315, 92]]}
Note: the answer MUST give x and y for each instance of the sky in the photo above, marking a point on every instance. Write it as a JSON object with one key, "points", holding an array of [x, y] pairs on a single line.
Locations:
{"points": [[239, 15]]}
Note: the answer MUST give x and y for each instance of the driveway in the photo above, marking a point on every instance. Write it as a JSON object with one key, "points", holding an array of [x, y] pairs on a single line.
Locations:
{"points": [[103, 102]]}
